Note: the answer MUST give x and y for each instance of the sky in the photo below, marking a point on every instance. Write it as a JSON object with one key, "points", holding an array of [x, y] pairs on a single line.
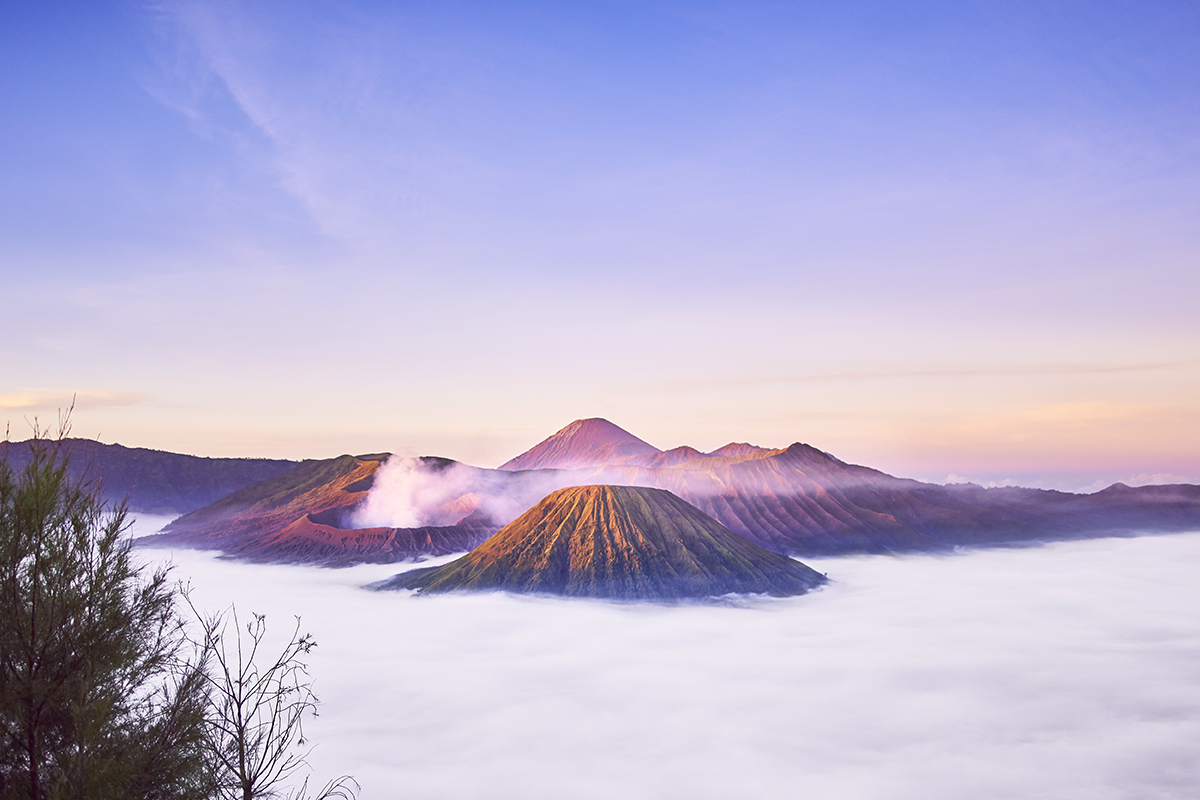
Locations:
{"points": [[1057, 672], [947, 240]]}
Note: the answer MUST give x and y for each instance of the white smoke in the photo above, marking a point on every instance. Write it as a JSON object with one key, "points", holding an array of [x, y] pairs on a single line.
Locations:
{"points": [[141, 524], [411, 492], [406, 494]]}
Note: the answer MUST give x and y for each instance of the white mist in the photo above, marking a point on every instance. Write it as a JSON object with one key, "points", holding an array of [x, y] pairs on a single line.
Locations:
{"points": [[1065, 671]]}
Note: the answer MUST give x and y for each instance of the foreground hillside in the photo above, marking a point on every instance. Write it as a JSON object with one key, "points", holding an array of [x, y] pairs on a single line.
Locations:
{"points": [[155, 482], [628, 543]]}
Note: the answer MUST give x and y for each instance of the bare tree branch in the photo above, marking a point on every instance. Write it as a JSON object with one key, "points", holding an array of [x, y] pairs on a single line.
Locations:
{"points": [[255, 733]]}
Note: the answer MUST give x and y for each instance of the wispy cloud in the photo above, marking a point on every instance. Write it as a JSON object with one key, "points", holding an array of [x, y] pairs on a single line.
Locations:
{"points": [[27, 401], [887, 373], [211, 71], [323, 91], [1047, 418]]}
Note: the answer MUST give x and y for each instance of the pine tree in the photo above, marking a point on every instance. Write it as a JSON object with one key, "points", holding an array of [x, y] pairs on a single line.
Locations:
{"points": [[100, 693]]}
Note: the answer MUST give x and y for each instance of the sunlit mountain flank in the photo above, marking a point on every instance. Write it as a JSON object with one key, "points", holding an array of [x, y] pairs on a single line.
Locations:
{"points": [[628, 543]]}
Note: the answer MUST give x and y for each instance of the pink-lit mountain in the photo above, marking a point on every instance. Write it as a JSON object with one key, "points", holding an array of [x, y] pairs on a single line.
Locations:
{"points": [[583, 443], [796, 500], [597, 442]]}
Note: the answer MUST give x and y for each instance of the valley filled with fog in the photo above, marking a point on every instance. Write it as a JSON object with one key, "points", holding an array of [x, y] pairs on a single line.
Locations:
{"points": [[1060, 671]]}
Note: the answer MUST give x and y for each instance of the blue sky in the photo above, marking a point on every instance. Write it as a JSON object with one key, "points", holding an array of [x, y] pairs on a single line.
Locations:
{"points": [[937, 238]]}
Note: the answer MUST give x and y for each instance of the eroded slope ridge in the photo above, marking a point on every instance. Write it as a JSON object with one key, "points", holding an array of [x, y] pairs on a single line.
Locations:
{"points": [[623, 542]]}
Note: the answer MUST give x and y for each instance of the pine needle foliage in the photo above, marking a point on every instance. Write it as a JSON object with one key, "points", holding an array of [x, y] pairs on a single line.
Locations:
{"points": [[101, 695]]}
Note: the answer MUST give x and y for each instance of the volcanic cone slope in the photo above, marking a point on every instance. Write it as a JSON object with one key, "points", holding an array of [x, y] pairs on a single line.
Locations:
{"points": [[584, 443], [623, 542]]}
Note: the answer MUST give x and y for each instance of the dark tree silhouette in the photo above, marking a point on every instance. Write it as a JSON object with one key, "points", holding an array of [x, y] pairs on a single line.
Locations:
{"points": [[100, 693], [255, 732], [103, 693]]}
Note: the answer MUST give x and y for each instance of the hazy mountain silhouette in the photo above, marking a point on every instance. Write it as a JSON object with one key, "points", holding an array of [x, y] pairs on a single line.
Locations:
{"points": [[623, 542], [154, 481]]}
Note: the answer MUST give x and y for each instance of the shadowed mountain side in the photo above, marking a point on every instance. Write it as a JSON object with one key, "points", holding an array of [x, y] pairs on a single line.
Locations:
{"points": [[154, 481], [619, 542], [310, 542], [329, 487]]}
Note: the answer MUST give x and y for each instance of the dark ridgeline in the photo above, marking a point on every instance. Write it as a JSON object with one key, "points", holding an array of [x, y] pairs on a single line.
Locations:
{"points": [[616, 542], [154, 481]]}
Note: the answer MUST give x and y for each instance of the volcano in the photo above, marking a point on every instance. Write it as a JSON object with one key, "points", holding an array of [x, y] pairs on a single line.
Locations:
{"points": [[298, 517], [796, 500], [584, 443], [618, 542]]}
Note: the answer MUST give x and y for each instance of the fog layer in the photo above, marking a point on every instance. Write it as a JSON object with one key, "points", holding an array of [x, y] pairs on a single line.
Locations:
{"points": [[1065, 671]]}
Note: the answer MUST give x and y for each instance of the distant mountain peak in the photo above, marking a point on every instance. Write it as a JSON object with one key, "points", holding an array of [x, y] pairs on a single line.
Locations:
{"points": [[584, 443], [734, 449]]}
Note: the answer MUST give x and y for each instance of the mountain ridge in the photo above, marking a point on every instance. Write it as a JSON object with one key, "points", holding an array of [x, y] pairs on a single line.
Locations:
{"points": [[796, 500], [153, 481]]}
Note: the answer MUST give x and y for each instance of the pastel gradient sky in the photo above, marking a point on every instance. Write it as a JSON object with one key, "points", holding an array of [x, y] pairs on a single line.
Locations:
{"points": [[941, 239]]}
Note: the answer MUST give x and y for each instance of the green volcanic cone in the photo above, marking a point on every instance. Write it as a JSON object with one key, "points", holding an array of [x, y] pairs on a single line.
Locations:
{"points": [[623, 542]]}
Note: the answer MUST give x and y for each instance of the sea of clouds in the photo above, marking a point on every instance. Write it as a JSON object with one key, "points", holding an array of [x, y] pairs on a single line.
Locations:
{"points": [[1069, 670]]}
